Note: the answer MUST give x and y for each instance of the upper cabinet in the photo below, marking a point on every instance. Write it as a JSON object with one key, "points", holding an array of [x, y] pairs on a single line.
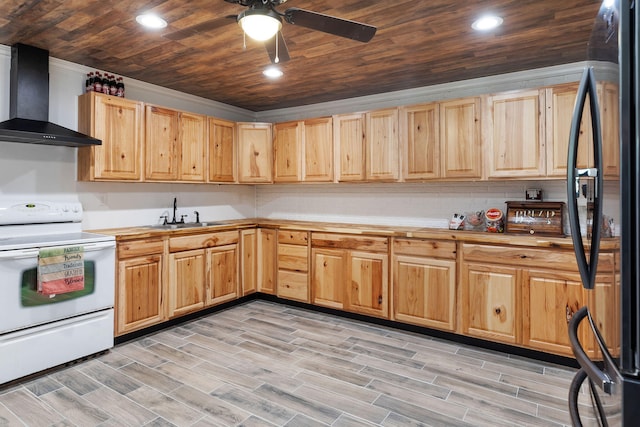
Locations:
{"points": [[222, 151], [174, 145], [118, 122], [420, 138], [303, 151], [367, 146], [560, 101], [254, 153], [516, 134], [460, 139]]}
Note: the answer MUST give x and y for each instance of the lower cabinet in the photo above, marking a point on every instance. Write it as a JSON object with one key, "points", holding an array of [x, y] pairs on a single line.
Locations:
{"points": [[202, 276], [490, 302], [424, 283], [266, 273], [248, 261], [293, 265], [139, 292], [530, 296], [350, 273]]}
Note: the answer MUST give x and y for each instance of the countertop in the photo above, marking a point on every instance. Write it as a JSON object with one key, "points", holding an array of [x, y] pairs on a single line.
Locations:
{"points": [[562, 242]]}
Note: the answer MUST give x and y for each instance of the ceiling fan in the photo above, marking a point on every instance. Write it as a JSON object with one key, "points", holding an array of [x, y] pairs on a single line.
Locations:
{"points": [[261, 21]]}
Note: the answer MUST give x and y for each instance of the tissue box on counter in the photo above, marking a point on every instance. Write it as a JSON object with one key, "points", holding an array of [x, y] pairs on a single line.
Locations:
{"points": [[535, 218]]}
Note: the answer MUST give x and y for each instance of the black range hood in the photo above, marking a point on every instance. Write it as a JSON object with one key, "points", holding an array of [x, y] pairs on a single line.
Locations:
{"points": [[29, 103]]}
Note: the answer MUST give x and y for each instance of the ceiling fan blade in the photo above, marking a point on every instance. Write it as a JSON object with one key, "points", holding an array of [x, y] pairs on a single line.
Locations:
{"points": [[330, 24], [283, 52]]}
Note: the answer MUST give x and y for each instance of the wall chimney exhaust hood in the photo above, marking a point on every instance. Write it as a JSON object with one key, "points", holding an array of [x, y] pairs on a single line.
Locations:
{"points": [[29, 103]]}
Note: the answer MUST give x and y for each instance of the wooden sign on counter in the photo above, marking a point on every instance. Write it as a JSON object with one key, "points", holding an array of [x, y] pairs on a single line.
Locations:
{"points": [[544, 218]]}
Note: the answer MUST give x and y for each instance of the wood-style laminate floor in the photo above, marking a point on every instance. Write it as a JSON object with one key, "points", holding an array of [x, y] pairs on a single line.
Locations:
{"points": [[267, 364]]}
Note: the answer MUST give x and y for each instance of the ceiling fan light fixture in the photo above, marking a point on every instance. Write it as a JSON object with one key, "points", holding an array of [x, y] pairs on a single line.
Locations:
{"points": [[150, 20], [260, 24], [487, 22]]}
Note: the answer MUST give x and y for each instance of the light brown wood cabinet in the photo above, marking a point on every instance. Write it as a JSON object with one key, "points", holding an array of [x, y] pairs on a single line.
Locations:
{"points": [[255, 153], [461, 148], [203, 270], [174, 145], [367, 146], [516, 143], [350, 272], [560, 102], [526, 296], [248, 261], [293, 265], [119, 123], [266, 276], [420, 141], [223, 151], [424, 283], [303, 151], [491, 302], [139, 288]]}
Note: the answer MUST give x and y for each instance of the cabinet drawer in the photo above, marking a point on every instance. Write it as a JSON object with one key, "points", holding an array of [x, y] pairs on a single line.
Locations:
{"points": [[349, 241], [135, 248], [293, 285], [293, 237], [425, 248], [206, 240], [293, 257], [529, 257]]}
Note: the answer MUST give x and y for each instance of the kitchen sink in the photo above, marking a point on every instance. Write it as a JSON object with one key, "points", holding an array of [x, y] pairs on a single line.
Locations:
{"points": [[182, 225]]}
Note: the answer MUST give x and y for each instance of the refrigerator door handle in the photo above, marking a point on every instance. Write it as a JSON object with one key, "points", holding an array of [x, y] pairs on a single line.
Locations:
{"points": [[587, 268]]}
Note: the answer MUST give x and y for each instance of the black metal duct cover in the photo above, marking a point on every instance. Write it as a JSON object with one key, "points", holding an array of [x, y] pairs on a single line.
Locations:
{"points": [[29, 103]]}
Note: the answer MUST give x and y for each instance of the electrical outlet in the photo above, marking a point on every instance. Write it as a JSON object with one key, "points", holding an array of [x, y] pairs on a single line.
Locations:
{"points": [[533, 194]]}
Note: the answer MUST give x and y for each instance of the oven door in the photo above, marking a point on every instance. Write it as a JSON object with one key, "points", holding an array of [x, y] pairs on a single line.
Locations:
{"points": [[22, 306]]}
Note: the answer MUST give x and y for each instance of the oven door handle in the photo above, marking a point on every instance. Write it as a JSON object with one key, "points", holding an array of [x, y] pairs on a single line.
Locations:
{"points": [[33, 252], [19, 253]]}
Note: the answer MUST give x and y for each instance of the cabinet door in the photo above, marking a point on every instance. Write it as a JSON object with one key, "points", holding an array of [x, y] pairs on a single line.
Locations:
{"points": [[222, 274], [255, 152], [248, 265], [382, 145], [328, 277], [192, 135], [287, 146], [318, 150], [368, 283], [267, 261], [608, 97], [550, 299], [118, 122], [560, 102], [161, 144], [516, 144], [420, 141], [348, 131], [490, 299], [424, 291], [186, 282], [222, 150], [460, 138], [139, 293]]}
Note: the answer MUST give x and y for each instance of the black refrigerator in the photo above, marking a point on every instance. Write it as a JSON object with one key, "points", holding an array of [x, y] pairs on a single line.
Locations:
{"points": [[609, 386]]}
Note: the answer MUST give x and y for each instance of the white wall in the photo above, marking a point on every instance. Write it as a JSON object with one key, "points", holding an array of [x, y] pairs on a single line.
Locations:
{"points": [[42, 172]]}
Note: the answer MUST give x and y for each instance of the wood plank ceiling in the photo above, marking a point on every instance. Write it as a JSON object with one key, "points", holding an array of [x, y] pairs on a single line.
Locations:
{"points": [[418, 43]]}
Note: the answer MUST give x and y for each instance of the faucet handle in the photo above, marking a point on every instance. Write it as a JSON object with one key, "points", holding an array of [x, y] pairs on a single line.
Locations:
{"points": [[165, 219], [182, 217]]}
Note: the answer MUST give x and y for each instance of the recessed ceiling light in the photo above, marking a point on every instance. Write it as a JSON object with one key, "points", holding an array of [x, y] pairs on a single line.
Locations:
{"points": [[150, 20], [272, 72], [488, 22]]}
